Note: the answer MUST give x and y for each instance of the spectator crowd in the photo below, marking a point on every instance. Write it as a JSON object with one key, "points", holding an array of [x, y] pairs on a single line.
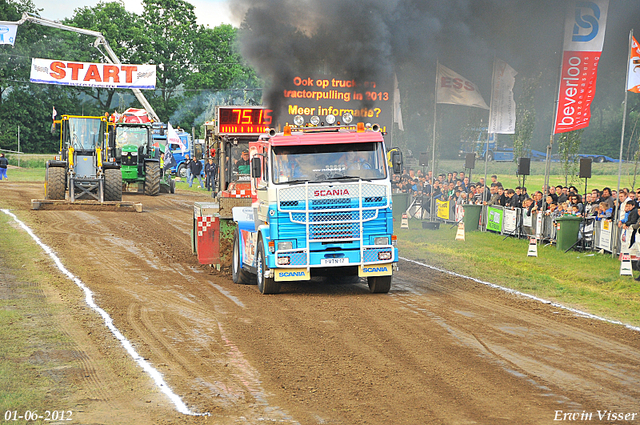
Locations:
{"points": [[560, 200]]}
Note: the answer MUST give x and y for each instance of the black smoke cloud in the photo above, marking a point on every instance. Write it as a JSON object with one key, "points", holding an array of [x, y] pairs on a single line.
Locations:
{"points": [[365, 39]]}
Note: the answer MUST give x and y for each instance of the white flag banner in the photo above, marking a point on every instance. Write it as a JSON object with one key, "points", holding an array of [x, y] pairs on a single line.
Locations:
{"points": [[502, 119], [99, 75], [634, 67], [8, 33], [457, 90], [174, 139], [397, 110]]}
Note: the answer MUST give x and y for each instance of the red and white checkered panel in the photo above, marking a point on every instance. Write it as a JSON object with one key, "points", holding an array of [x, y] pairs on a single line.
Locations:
{"points": [[204, 223]]}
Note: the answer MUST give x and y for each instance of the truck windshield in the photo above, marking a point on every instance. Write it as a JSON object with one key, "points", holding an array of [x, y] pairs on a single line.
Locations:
{"points": [[316, 163], [84, 133]]}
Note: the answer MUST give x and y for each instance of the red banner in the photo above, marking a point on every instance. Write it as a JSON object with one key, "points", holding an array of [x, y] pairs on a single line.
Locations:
{"points": [[584, 31], [577, 89]]}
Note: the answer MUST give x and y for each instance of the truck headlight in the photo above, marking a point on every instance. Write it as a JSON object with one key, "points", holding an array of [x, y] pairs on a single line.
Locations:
{"points": [[285, 245], [330, 119], [298, 120], [381, 240], [347, 118], [284, 261], [315, 120]]}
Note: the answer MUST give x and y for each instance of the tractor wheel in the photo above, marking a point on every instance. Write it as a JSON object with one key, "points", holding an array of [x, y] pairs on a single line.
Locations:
{"points": [[266, 285], [56, 183], [379, 284], [237, 274], [172, 186], [112, 184], [151, 178]]}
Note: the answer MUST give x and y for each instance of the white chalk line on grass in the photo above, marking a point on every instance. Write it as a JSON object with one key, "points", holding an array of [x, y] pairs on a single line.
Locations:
{"points": [[145, 365], [522, 294]]}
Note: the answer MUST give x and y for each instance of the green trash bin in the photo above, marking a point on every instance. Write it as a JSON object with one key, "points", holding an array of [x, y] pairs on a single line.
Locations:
{"points": [[567, 233], [400, 204], [471, 217]]}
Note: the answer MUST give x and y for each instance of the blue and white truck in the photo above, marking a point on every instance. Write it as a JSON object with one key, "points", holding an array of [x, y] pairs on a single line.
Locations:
{"points": [[321, 205], [194, 149]]}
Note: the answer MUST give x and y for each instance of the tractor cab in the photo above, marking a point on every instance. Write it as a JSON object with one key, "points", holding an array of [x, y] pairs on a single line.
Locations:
{"points": [[82, 167], [131, 144]]}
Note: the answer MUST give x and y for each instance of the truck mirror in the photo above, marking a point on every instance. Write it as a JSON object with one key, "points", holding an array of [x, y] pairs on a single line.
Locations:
{"points": [[256, 168], [396, 162]]}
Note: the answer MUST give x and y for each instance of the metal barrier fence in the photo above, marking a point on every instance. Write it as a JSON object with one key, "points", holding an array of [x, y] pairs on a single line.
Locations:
{"points": [[516, 222]]}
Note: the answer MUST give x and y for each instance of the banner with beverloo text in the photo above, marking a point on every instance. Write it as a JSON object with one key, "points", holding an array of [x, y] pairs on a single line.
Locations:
{"points": [[98, 75], [584, 31]]}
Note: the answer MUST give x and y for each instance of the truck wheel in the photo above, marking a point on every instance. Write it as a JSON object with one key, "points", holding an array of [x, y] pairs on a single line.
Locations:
{"points": [[151, 178], [56, 183], [379, 284], [182, 171], [265, 285], [112, 184], [237, 274], [490, 156], [600, 159]]}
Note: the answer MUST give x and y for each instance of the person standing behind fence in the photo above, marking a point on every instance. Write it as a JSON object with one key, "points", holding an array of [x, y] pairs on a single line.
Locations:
{"points": [[4, 163], [210, 171]]}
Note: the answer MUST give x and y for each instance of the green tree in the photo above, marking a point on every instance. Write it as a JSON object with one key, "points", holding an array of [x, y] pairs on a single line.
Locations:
{"points": [[123, 30], [172, 30], [568, 147], [525, 117]]}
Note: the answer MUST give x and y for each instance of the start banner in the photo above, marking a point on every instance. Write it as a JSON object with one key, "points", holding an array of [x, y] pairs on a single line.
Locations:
{"points": [[583, 40], [98, 75]]}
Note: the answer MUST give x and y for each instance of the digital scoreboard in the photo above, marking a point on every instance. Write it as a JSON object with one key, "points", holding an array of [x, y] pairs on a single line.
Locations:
{"points": [[243, 120]]}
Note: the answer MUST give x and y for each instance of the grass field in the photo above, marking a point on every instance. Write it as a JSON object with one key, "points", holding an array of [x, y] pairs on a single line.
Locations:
{"points": [[27, 331]]}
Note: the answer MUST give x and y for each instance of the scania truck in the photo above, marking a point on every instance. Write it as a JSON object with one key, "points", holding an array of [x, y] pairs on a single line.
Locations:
{"points": [[321, 205]]}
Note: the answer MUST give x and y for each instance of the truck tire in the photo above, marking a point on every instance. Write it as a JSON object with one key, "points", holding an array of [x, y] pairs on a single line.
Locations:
{"points": [[600, 159], [112, 184], [266, 285], [490, 156], [56, 183], [182, 171], [237, 274], [151, 178], [379, 284], [172, 186]]}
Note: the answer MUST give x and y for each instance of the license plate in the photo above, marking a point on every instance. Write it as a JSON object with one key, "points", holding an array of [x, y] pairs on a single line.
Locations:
{"points": [[332, 261]]}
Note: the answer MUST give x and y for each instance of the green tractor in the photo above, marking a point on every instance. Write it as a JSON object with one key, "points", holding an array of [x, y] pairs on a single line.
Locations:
{"points": [[82, 167], [131, 144]]}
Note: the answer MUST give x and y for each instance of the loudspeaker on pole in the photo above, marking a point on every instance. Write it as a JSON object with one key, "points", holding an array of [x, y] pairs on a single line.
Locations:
{"points": [[585, 168], [424, 159], [470, 161], [524, 166]]}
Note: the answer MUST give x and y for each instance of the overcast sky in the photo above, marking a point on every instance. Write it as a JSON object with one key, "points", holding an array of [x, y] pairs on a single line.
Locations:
{"points": [[208, 12]]}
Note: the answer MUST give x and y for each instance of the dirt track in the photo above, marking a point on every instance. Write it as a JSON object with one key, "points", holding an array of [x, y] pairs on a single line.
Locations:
{"points": [[437, 349]]}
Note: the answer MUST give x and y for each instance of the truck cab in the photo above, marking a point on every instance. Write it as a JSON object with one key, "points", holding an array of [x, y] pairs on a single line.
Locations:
{"points": [[321, 205]]}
